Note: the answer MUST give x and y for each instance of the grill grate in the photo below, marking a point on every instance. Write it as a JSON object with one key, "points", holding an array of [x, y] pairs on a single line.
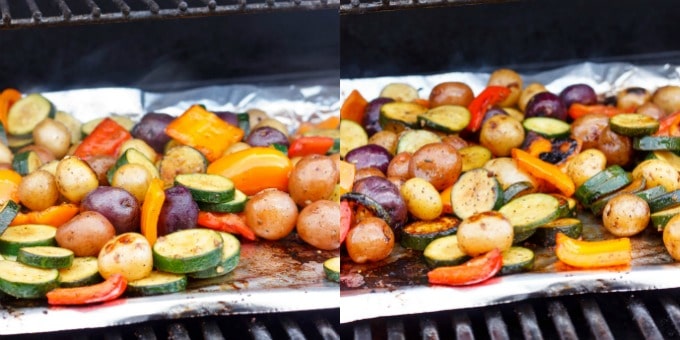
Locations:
{"points": [[31, 13], [645, 315], [367, 6]]}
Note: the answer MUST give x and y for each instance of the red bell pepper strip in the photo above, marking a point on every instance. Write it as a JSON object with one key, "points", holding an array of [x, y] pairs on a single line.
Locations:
{"points": [[108, 290], [345, 220], [226, 222], [310, 145], [577, 110], [491, 96], [105, 139], [669, 125], [473, 271]]}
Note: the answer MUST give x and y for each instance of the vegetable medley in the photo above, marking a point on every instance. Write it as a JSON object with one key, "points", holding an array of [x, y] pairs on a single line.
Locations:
{"points": [[90, 211], [477, 182]]}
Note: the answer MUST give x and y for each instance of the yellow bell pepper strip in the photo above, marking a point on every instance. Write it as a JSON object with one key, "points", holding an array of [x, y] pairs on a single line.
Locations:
{"points": [[7, 98], [545, 171], [108, 290], [254, 169], [151, 209], [104, 140], [592, 254], [204, 131], [479, 269], [54, 216]]}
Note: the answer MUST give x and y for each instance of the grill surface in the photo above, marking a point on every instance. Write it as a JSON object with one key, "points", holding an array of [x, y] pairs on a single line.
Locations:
{"points": [[367, 6], [29, 13]]}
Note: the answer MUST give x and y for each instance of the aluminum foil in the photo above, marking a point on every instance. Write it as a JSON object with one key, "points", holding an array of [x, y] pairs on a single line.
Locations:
{"points": [[398, 285], [271, 277]]}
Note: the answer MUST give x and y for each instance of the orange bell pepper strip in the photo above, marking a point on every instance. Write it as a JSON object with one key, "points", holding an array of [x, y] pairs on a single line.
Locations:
{"points": [[107, 290], [669, 125], [446, 200], [591, 254], [7, 98], [254, 169], [491, 96], [151, 209], [354, 107], [55, 216], [347, 173], [422, 102], [539, 146], [226, 222], [310, 145], [330, 123], [105, 140], [204, 131], [479, 269], [9, 185], [577, 110], [545, 171]]}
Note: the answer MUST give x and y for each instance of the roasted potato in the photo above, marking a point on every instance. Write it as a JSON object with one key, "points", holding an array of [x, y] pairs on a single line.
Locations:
{"points": [[313, 178], [134, 178], [271, 214], [52, 135], [75, 179], [625, 215], [38, 190], [451, 93], [422, 199], [482, 232], [128, 254], [85, 234], [371, 240], [585, 165], [500, 134], [510, 79], [667, 98], [439, 164], [319, 224], [657, 172], [386, 139]]}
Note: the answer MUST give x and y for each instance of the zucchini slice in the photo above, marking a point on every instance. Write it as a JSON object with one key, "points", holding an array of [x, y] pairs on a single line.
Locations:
{"points": [[633, 124], [181, 159], [74, 126], [634, 187], [419, 234], [46, 257], [133, 156], [157, 283], [84, 271], [208, 188], [665, 201], [188, 251], [475, 191], [517, 260], [231, 253], [412, 140], [369, 205], [516, 190], [604, 182], [8, 211], [651, 193], [547, 127], [474, 156], [660, 218], [15, 143], [26, 162], [22, 281], [27, 113], [331, 269], [530, 211], [545, 234], [352, 136], [444, 251], [400, 92], [445, 118], [89, 126], [396, 116], [235, 205], [26, 235], [652, 143]]}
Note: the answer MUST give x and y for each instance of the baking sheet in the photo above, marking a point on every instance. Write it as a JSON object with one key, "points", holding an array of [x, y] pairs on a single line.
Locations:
{"points": [[271, 277], [398, 285]]}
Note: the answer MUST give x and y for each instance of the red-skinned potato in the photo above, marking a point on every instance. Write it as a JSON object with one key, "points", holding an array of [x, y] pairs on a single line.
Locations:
{"points": [[319, 224], [271, 214], [371, 240], [451, 93], [438, 163], [85, 234], [313, 178]]}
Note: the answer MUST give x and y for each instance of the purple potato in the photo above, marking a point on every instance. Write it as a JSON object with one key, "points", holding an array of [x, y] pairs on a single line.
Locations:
{"points": [[493, 111], [151, 129], [372, 115], [266, 136], [118, 206], [179, 211], [387, 194], [370, 156], [229, 117], [578, 93], [546, 104]]}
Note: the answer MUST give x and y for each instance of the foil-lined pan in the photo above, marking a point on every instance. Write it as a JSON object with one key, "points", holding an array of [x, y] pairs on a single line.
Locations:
{"points": [[272, 277], [398, 285]]}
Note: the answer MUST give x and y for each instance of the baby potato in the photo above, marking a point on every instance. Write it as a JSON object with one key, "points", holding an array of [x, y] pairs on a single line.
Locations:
{"points": [[483, 232], [529, 92], [52, 135], [134, 178], [671, 237], [85, 234], [451, 93], [500, 134], [510, 79], [319, 224], [657, 172], [625, 215], [271, 213], [585, 165], [438, 163], [313, 178], [386, 139], [368, 172], [667, 98], [128, 254], [6, 155], [399, 166], [75, 179], [38, 190], [422, 199], [370, 240]]}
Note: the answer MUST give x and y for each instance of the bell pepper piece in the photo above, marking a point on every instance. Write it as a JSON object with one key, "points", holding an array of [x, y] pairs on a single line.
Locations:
{"points": [[591, 254], [539, 146], [345, 219], [354, 107], [54, 216], [9, 186], [422, 102], [105, 139], [446, 200], [330, 123], [107, 290], [669, 125], [311, 145], [545, 171], [347, 173], [491, 96], [577, 110], [254, 169], [151, 209], [204, 131], [7, 98], [226, 222], [479, 269]]}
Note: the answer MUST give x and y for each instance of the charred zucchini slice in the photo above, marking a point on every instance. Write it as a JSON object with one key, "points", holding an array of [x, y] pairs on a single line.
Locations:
{"points": [[22, 281], [188, 251], [605, 182], [84, 271], [445, 118], [517, 260], [419, 234], [444, 251], [27, 113], [396, 116], [476, 191], [547, 127], [208, 188], [530, 211], [26, 235], [46, 257], [412, 140], [633, 124], [157, 283], [545, 234]]}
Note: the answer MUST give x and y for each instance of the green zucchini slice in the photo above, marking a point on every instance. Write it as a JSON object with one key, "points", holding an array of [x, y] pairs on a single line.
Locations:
{"points": [[665, 201], [605, 182], [530, 211], [331, 269], [517, 260], [133, 156], [26, 162], [396, 116], [474, 156], [15, 143], [27, 113], [517, 190], [545, 234], [352, 136], [208, 188], [26, 235], [412, 140], [46, 257], [188, 251], [444, 251], [660, 218], [8, 211], [235, 205], [84, 271], [633, 124], [633, 188], [157, 283], [74, 125], [231, 253], [419, 234], [22, 281], [445, 118], [547, 127], [476, 191], [652, 143], [651, 193]]}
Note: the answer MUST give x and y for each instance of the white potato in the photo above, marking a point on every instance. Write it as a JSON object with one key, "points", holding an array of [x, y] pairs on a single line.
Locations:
{"points": [[134, 178], [500, 134], [507, 172], [128, 254], [6, 155], [585, 165], [75, 178], [52, 135], [140, 146], [483, 232], [422, 199], [671, 237], [626, 215], [657, 172], [38, 190]]}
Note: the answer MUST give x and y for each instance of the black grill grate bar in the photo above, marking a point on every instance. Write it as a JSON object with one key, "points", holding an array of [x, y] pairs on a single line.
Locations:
{"points": [[395, 329], [36, 14], [527, 319], [177, 331], [562, 320], [292, 328], [210, 330], [361, 7], [463, 327], [498, 329], [428, 329], [65, 10], [362, 331], [153, 6], [124, 8], [595, 319], [210, 3], [145, 333], [95, 11], [326, 329], [258, 330], [673, 311], [643, 319], [6, 16]]}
